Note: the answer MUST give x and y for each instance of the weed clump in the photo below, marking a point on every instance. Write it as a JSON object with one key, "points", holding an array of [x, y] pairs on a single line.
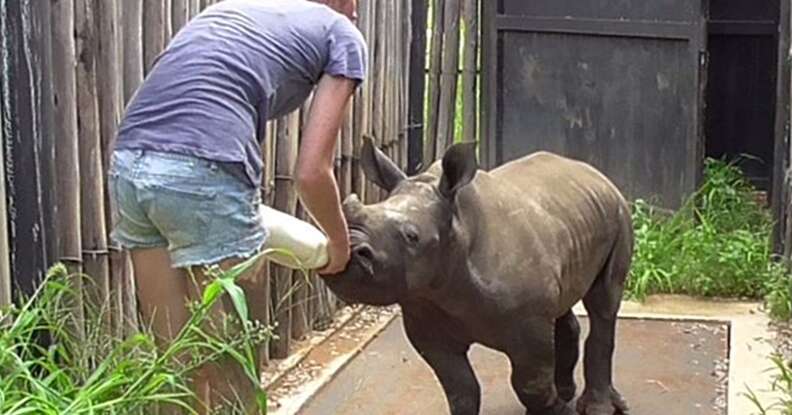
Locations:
{"points": [[81, 369], [718, 244]]}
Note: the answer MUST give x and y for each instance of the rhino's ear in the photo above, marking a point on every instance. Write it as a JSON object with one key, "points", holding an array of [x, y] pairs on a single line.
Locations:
{"points": [[378, 167], [459, 168]]}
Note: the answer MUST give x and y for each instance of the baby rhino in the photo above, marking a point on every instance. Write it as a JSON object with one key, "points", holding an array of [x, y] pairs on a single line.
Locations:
{"points": [[497, 258]]}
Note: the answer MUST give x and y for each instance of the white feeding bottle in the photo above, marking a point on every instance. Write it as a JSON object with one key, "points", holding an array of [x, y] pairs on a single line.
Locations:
{"points": [[294, 243]]}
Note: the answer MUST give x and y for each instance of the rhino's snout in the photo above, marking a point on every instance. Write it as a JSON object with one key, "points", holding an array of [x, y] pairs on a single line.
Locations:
{"points": [[358, 231], [367, 278]]}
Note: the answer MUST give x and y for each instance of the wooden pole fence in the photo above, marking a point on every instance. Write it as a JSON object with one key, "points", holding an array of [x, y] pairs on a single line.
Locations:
{"points": [[100, 53]]}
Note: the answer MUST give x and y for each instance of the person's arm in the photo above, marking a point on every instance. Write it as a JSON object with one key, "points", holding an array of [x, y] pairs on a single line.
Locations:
{"points": [[315, 179]]}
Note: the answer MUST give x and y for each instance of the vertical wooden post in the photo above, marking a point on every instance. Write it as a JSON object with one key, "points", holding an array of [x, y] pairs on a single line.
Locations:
{"points": [[132, 67], [258, 288], [470, 71], [362, 105], [399, 82], [167, 25], [179, 14], [378, 85], [110, 84], [27, 110], [67, 152], [389, 94], [367, 191], [5, 266], [94, 235], [448, 77], [785, 214], [269, 162], [153, 32], [345, 150], [394, 79], [488, 42], [435, 60], [384, 70], [301, 320], [399, 63], [108, 80], [132, 12], [781, 151], [406, 69], [41, 30], [195, 8], [285, 201], [307, 285]]}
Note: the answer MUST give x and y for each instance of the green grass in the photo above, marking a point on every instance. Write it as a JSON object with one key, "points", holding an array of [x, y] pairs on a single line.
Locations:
{"points": [[781, 386], [93, 373], [717, 245]]}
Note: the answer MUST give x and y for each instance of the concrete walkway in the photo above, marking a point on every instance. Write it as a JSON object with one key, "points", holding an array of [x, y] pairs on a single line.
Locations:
{"points": [[671, 356], [662, 368], [749, 342]]}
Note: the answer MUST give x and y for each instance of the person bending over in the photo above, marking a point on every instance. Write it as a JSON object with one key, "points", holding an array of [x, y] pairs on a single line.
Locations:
{"points": [[186, 165]]}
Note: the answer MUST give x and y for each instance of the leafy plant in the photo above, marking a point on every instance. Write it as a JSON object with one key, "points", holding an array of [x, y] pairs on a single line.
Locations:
{"points": [[87, 372], [781, 385], [717, 244]]}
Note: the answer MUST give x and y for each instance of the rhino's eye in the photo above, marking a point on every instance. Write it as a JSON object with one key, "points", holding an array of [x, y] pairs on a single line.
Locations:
{"points": [[410, 234]]}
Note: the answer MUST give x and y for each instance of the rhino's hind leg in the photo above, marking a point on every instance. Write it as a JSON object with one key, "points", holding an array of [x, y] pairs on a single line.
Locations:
{"points": [[602, 303], [567, 352]]}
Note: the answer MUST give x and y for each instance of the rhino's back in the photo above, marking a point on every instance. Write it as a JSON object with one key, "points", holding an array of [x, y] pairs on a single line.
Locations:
{"points": [[562, 186], [556, 220]]}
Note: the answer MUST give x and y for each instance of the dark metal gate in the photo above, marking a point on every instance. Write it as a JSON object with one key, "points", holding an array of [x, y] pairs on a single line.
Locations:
{"points": [[741, 90], [618, 83]]}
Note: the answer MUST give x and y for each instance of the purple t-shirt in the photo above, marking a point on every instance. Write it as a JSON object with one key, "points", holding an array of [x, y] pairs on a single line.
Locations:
{"points": [[233, 67]]}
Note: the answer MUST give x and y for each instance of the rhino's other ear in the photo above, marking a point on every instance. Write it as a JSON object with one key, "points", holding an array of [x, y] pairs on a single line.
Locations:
{"points": [[459, 168], [378, 167]]}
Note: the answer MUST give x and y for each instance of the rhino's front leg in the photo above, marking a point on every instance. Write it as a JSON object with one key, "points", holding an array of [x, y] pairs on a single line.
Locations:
{"points": [[448, 359], [533, 369]]}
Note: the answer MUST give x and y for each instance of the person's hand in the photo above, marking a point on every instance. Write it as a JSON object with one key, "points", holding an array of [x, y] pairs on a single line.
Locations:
{"points": [[339, 253]]}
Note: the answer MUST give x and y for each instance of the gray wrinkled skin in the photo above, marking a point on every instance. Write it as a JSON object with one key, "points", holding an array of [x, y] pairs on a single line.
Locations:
{"points": [[497, 258]]}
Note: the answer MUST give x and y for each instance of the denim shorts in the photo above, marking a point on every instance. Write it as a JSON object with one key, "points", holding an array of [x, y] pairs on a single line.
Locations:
{"points": [[201, 212]]}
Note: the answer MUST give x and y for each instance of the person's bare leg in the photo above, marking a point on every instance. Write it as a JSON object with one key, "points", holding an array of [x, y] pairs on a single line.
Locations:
{"points": [[223, 381], [162, 293]]}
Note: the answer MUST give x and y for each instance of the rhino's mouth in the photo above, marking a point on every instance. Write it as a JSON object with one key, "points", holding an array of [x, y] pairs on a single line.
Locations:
{"points": [[363, 281]]}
